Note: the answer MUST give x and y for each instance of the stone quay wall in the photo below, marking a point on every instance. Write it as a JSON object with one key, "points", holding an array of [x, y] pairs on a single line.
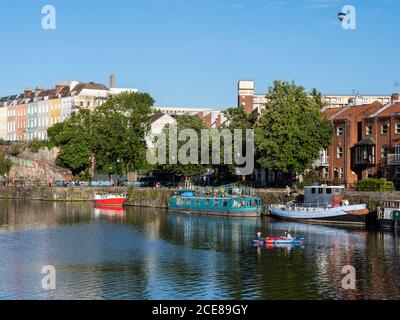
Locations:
{"points": [[159, 198]]}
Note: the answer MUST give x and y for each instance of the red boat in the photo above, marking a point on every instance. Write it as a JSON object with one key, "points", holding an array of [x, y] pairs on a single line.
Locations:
{"points": [[109, 200], [272, 240]]}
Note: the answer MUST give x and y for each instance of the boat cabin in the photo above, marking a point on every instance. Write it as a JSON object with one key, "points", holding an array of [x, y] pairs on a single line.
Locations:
{"points": [[322, 195]]}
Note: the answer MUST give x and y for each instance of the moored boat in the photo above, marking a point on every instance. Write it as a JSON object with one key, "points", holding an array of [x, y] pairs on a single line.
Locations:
{"points": [[109, 200], [223, 201], [389, 214], [322, 204]]}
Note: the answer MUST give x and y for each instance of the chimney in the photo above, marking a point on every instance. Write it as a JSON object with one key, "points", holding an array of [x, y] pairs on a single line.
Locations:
{"points": [[38, 90], [73, 84], [395, 98], [246, 95], [27, 92], [112, 81]]}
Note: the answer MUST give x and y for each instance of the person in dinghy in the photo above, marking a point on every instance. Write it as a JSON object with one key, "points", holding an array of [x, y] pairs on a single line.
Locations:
{"points": [[287, 236]]}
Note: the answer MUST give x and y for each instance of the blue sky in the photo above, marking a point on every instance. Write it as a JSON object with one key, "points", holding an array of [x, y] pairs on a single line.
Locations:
{"points": [[192, 52]]}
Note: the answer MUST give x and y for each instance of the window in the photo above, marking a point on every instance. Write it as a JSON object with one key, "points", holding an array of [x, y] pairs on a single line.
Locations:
{"points": [[368, 130], [386, 173], [339, 152], [384, 152], [325, 172], [313, 190], [397, 172], [369, 174], [341, 173], [384, 128], [339, 131], [216, 203], [320, 190], [328, 190], [197, 202], [398, 128], [225, 203], [207, 202]]}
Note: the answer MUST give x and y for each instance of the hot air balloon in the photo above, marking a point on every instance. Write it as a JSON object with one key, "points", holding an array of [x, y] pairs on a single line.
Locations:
{"points": [[341, 16]]}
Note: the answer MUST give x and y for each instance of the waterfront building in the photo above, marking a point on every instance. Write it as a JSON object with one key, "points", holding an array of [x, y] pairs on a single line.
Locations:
{"points": [[67, 104], [89, 95], [27, 116], [12, 115], [365, 144], [179, 111], [157, 124], [32, 119], [212, 118], [253, 102], [3, 118], [55, 111], [20, 121]]}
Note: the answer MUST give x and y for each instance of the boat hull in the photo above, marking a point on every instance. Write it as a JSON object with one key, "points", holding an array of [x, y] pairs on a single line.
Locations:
{"points": [[114, 202], [345, 215], [226, 213]]}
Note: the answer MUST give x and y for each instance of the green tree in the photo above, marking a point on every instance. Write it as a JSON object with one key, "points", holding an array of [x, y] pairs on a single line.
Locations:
{"points": [[108, 139], [122, 123], [186, 170], [292, 131], [317, 97], [237, 118], [77, 141], [5, 165]]}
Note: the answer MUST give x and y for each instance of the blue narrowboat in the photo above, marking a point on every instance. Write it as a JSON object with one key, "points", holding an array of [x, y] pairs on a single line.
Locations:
{"points": [[223, 201]]}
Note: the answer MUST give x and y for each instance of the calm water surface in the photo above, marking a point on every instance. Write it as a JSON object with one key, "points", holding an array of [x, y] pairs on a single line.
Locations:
{"points": [[149, 254]]}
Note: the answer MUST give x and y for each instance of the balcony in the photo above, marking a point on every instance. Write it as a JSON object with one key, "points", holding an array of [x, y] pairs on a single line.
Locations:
{"points": [[363, 154], [393, 159], [323, 161]]}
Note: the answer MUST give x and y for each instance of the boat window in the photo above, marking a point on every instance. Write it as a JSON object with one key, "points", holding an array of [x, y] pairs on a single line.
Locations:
{"points": [[320, 190], [312, 190], [178, 201], [216, 203], [225, 203], [208, 202], [328, 191], [197, 202]]}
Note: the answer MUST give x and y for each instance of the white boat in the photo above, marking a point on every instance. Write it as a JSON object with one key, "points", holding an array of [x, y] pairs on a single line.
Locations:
{"points": [[322, 204]]}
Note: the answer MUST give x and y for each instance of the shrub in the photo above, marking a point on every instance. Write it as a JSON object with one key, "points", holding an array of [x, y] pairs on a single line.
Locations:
{"points": [[5, 165], [35, 145], [17, 148], [375, 185]]}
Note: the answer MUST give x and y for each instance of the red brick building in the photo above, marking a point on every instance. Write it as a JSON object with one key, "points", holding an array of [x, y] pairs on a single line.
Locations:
{"points": [[366, 143]]}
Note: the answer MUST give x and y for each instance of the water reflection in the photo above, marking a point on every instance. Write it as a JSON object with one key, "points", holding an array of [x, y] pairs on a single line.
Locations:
{"points": [[103, 253]]}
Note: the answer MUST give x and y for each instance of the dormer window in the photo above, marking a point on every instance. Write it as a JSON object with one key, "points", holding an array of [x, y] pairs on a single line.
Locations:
{"points": [[339, 131]]}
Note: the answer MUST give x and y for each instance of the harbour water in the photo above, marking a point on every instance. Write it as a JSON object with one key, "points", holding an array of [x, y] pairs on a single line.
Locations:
{"points": [[142, 253]]}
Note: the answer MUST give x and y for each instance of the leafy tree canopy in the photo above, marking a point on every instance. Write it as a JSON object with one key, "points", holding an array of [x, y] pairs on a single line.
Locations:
{"points": [[5, 165], [292, 131], [109, 139], [187, 170]]}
